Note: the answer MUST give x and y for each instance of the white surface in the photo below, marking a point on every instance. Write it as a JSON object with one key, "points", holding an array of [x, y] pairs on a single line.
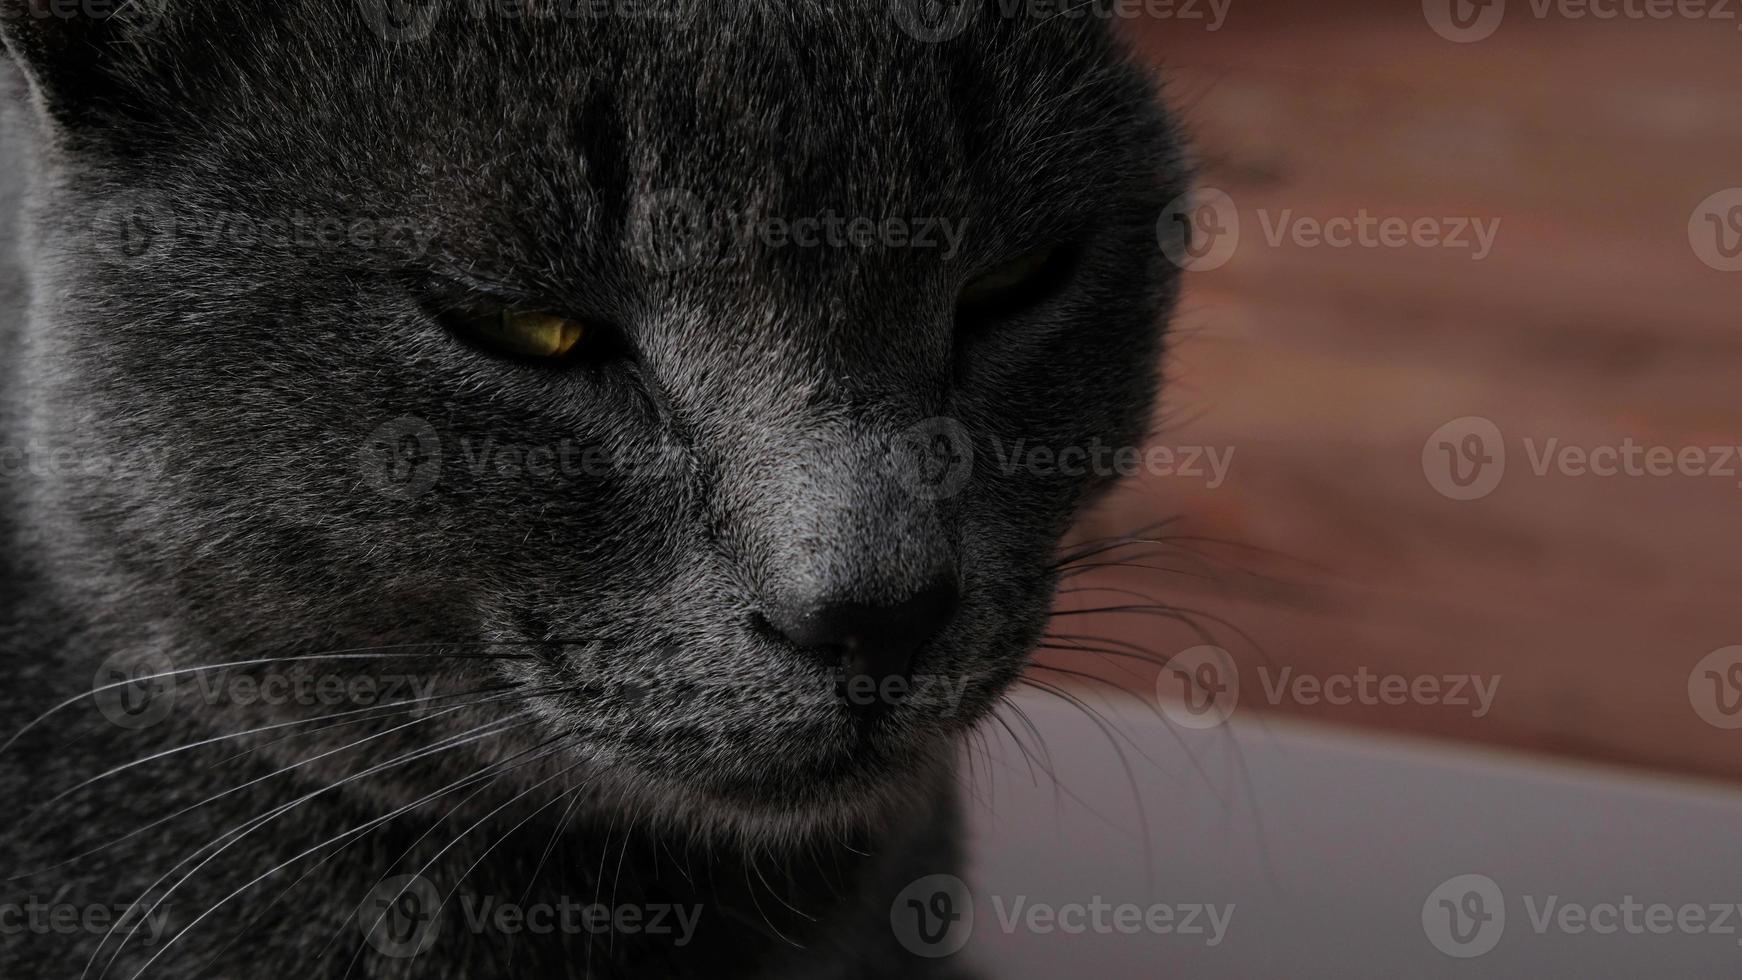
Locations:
{"points": [[1328, 846]]}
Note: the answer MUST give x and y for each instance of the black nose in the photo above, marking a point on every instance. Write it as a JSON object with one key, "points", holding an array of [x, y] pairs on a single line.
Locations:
{"points": [[872, 640]]}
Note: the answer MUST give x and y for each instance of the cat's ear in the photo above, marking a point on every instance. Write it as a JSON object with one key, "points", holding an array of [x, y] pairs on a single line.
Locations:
{"points": [[80, 55]]}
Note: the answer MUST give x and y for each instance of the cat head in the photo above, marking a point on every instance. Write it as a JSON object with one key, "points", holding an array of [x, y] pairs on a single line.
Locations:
{"points": [[672, 362]]}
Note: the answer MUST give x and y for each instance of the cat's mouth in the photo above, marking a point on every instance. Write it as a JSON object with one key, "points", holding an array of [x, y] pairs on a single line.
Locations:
{"points": [[848, 783], [727, 712], [796, 746]]}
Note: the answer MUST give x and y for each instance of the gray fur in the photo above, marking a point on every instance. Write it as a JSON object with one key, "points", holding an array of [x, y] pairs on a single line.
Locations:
{"points": [[216, 399]]}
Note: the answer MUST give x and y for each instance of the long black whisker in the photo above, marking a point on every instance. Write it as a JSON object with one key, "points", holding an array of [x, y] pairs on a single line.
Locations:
{"points": [[1178, 615], [1089, 549], [1060, 787], [1130, 776], [1075, 570], [1020, 747]]}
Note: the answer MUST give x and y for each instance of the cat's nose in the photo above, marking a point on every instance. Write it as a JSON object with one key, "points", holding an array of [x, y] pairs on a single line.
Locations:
{"points": [[869, 640]]}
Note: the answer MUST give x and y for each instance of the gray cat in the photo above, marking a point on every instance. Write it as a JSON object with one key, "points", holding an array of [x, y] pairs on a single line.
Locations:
{"points": [[503, 488]]}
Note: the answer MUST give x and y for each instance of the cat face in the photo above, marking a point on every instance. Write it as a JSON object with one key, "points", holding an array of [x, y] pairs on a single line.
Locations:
{"points": [[668, 367]]}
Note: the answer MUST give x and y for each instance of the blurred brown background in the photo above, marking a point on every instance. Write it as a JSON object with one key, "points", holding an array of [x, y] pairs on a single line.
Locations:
{"points": [[1325, 371]]}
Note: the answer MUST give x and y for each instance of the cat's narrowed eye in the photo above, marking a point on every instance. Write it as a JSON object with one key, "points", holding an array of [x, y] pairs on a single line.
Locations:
{"points": [[1018, 284], [522, 333]]}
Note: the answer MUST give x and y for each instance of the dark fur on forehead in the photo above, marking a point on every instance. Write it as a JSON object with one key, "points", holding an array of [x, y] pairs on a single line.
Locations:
{"points": [[792, 108]]}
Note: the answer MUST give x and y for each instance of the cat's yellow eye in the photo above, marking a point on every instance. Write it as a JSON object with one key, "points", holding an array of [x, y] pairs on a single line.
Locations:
{"points": [[1016, 284], [541, 335]]}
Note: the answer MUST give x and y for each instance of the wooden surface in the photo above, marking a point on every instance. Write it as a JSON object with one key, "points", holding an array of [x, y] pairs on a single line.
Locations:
{"points": [[1326, 370]]}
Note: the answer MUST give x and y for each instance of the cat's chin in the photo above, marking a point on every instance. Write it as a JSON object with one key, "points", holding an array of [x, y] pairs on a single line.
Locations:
{"points": [[857, 794]]}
